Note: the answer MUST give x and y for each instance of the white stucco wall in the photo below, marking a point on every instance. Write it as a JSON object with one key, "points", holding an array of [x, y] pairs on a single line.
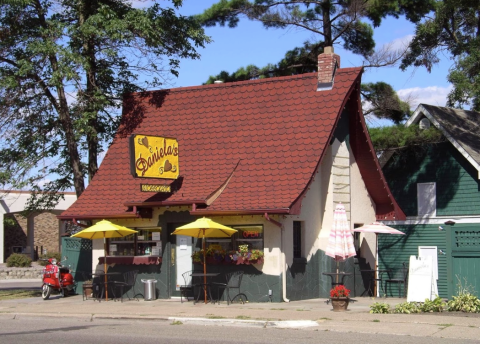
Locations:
{"points": [[362, 212]]}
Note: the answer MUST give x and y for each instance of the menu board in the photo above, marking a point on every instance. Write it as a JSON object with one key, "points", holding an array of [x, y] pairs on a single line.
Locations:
{"points": [[156, 236], [420, 279]]}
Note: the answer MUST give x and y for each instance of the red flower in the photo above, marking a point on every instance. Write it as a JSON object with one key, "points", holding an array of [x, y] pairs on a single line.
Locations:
{"points": [[339, 291]]}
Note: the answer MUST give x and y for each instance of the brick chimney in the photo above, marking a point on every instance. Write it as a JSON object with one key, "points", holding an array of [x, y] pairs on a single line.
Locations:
{"points": [[328, 62]]}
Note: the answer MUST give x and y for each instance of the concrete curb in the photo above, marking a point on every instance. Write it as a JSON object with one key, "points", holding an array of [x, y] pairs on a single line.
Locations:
{"points": [[183, 320]]}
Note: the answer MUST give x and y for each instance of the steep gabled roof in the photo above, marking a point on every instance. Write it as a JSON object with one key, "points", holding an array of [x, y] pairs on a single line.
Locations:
{"points": [[247, 147], [460, 127]]}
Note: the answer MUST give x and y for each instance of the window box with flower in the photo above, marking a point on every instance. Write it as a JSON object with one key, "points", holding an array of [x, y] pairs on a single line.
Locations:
{"points": [[339, 296], [245, 256], [214, 254]]}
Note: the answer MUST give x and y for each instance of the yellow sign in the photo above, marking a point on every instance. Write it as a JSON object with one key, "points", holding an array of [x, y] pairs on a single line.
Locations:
{"points": [[154, 157], [155, 188]]}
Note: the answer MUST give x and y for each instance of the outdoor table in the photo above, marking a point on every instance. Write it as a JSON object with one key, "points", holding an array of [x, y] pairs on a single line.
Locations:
{"points": [[101, 283], [336, 275], [376, 278], [204, 286]]}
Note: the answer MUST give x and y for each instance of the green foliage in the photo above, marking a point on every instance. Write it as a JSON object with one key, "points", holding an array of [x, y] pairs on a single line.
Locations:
{"points": [[384, 102], [380, 308], [64, 66], [435, 305], [465, 300], [43, 259], [452, 29], [19, 260], [465, 303], [407, 308], [399, 136]]}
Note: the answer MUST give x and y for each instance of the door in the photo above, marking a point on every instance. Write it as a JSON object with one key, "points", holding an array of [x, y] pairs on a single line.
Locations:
{"points": [[180, 258], [463, 258]]}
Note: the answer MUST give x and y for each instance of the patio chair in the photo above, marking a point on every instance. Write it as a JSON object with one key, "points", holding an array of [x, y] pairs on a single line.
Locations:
{"points": [[128, 283], [188, 287], [399, 277], [233, 281]]}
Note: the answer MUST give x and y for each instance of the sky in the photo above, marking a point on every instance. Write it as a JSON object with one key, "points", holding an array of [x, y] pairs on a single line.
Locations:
{"points": [[251, 43]]}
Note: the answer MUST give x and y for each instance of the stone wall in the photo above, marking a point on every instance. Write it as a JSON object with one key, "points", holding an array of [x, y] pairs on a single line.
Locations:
{"points": [[21, 273]]}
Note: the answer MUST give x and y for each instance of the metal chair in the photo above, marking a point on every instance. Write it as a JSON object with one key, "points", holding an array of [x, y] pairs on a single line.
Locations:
{"points": [[233, 281], [399, 277], [129, 279], [188, 287]]}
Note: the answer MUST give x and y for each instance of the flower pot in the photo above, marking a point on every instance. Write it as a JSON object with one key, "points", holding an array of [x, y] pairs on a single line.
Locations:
{"points": [[340, 304]]}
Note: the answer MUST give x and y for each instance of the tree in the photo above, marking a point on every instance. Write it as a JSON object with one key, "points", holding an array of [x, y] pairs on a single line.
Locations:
{"points": [[64, 67], [381, 100], [452, 28], [336, 22]]}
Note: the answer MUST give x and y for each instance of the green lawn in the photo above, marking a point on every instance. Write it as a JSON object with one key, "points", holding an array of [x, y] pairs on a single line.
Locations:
{"points": [[19, 294]]}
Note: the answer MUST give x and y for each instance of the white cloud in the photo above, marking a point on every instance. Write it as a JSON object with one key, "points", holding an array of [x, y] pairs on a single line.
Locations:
{"points": [[432, 95], [401, 43]]}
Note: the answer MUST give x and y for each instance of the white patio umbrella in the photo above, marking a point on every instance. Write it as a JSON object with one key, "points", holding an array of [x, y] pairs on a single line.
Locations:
{"points": [[377, 228], [340, 242]]}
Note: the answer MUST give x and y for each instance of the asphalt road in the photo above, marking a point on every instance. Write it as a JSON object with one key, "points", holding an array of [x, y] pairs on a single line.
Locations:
{"points": [[53, 330]]}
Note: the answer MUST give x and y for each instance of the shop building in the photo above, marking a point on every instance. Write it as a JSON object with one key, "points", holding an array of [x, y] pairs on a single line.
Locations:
{"points": [[269, 157]]}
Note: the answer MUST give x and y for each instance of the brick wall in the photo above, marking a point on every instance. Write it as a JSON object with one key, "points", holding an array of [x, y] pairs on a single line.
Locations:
{"points": [[46, 232]]}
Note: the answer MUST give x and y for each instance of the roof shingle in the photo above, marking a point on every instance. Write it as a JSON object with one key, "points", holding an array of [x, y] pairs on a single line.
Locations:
{"points": [[269, 133]]}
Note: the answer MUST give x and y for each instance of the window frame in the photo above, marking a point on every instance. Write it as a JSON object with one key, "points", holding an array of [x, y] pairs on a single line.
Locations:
{"points": [[427, 199]]}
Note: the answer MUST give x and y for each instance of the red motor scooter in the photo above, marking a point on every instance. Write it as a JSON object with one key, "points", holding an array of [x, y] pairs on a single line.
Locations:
{"points": [[56, 278]]}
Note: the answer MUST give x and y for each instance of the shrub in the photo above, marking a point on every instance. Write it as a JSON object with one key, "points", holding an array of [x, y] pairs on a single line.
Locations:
{"points": [[19, 260], [435, 305], [466, 300], [43, 259], [467, 303], [406, 308], [380, 308]]}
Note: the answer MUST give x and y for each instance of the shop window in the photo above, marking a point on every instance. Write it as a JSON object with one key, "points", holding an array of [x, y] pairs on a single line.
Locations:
{"points": [[147, 242], [251, 235], [427, 199], [297, 239]]}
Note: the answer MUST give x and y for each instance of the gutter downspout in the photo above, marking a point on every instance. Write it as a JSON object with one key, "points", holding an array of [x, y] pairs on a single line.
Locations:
{"points": [[284, 263]]}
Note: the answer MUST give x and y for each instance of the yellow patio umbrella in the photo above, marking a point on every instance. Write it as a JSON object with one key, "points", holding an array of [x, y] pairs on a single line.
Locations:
{"points": [[205, 228], [104, 229]]}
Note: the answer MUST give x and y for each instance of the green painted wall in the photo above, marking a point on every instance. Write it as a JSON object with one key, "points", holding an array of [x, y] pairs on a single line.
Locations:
{"points": [[456, 180], [395, 249]]}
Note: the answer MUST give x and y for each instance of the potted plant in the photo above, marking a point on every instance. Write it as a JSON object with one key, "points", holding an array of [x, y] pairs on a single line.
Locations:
{"points": [[339, 296]]}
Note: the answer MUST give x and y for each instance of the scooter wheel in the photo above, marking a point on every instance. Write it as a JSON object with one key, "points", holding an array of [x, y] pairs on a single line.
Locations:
{"points": [[46, 291]]}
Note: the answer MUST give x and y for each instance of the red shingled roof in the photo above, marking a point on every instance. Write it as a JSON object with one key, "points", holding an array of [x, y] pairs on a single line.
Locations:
{"points": [[261, 140]]}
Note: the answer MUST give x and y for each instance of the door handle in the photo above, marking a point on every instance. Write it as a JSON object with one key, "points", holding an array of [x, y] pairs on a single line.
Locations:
{"points": [[172, 256]]}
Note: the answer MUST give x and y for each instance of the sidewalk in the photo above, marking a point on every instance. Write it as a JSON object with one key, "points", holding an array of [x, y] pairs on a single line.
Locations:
{"points": [[314, 314]]}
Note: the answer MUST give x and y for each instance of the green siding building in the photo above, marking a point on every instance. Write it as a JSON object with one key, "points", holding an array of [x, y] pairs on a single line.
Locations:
{"points": [[437, 186]]}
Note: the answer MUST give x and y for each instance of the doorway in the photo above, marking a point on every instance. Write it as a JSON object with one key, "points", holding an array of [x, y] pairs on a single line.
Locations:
{"points": [[180, 258]]}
